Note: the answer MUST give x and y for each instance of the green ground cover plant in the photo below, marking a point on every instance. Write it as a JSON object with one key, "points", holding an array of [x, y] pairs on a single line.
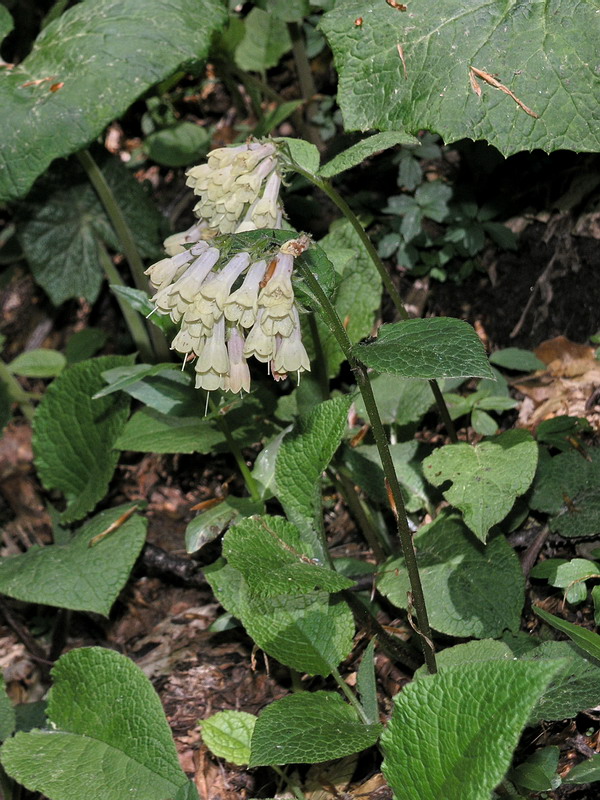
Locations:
{"points": [[341, 403]]}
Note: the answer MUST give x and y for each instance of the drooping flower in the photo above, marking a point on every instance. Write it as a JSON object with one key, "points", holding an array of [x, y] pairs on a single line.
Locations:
{"points": [[212, 365], [290, 355], [175, 298], [239, 372], [242, 305]]}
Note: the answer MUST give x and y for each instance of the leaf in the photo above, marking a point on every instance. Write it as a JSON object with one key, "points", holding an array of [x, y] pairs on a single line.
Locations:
{"points": [[149, 431], [585, 772], [6, 23], [84, 344], [470, 589], [74, 436], [409, 71], [517, 359], [62, 219], [106, 53], [227, 734], [266, 39], [110, 738], [309, 633], [358, 295], [287, 10], [304, 154], [7, 712], [75, 575], [307, 727], [399, 400], [568, 486], [179, 145], [40, 363], [538, 773], [210, 524], [362, 150], [486, 477], [586, 640], [120, 378], [366, 683], [439, 347], [303, 456], [473, 715], [269, 553]]}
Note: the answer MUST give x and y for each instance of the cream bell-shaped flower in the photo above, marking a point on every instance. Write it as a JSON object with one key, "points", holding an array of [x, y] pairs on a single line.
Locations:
{"points": [[290, 355], [242, 305], [208, 303], [258, 344], [164, 272], [175, 243], [239, 373], [175, 298], [212, 365], [265, 212]]}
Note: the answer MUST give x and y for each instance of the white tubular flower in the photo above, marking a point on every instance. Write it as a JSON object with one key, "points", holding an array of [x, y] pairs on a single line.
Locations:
{"points": [[277, 326], [242, 305], [265, 212], [175, 244], [175, 298], [166, 271], [239, 373], [209, 302], [212, 366], [290, 355], [258, 344]]}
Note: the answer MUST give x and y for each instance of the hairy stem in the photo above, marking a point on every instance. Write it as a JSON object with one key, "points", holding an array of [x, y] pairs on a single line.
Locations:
{"points": [[251, 484], [364, 384]]}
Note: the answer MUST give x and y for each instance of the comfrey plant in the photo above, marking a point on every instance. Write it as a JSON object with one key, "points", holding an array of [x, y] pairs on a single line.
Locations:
{"points": [[239, 191]]}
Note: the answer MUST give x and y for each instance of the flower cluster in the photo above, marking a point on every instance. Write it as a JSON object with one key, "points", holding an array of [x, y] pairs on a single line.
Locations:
{"points": [[222, 328]]}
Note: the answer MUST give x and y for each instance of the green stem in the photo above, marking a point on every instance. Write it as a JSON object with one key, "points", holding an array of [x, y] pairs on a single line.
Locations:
{"points": [[352, 699], [364, 384], [321, 369], [326, 187], [348, 491], [128, 245], [134, 322], [251, 484], [16, 392]]}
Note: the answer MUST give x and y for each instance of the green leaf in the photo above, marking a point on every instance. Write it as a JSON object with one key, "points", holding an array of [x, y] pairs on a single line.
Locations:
{"points": [[227, 734], [358, 295], [263, 471], [307, 727], [364, 463], [304, 154], [303, 456], [6, 23], [110, 737], [141, 44], [287, 10], [74, 436], [585, 772], [7, 712], [169, 391], [473, 715], [39, 363], [482, 423], [210, 524], [84, 344], [399, 400], [266, 39], [366, 683], [120, 378], [149, 431], [586, 640], [538, 773], [546, 57], [568, 486], [310, 633], [517, 359], [269, 553], [187, 792], [469, 653], [470, 589], [560, 431], [75, 575], [62, 220], [486, 477], [181, 144], [361, 150], [439, 347]]}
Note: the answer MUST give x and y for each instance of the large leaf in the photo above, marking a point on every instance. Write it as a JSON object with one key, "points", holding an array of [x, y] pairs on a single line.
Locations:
{"points": [[486, 478], [74, 436], [407, 71], [228, 733], [86, 69], [109, 739], [472, 716], [362, 150], [75, 575], [307, 727], [302, 457], [470, 589], [440, 347]]}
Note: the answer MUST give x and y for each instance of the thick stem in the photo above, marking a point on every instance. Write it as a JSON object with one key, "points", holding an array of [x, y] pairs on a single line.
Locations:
{"points": [[128, 245], [251, 484], [443, 409], [135, 324], [364, 384]]}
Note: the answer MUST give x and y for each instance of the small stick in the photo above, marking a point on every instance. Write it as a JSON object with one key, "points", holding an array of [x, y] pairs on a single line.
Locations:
{"points": [[485, 76], [113, 527]]}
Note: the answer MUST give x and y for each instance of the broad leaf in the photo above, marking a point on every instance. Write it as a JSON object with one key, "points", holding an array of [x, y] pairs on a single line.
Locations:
{"points": [[269, 553], [486, 478], [517, 359], [74, 436], [101, 55], [303, 456], [408, 71], [473, 716], [585, 772], [39, 363], [307, 727], [227, 734], [211, 523], [74, 575], [399, 400], [470, 589], [266, 39], [361, 150], [439, 347], [588, 641], [110, 736], [149, 431]]}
